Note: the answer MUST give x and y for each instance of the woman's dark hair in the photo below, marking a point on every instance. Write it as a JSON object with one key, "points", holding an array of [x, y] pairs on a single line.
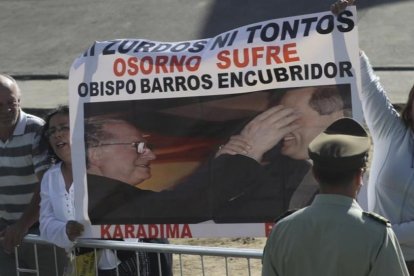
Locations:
{"points": [[406, 113], [44, 142]]}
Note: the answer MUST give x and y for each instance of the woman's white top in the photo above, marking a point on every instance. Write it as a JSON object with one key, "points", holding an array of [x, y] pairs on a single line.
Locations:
{"points": [[56, 208], [391, 179]]}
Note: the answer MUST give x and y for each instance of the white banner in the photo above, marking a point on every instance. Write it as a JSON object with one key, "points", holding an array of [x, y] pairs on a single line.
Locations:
{"points": [[186, 99]]}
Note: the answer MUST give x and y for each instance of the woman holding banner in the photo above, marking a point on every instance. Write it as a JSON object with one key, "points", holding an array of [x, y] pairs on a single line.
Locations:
{"points": [[57, 212], [391, 180]]}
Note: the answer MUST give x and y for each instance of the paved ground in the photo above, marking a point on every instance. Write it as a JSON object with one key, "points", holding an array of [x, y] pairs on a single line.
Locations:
{"points": [[43, 37]]}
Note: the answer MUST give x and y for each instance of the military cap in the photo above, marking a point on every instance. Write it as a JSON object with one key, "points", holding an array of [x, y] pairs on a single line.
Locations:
{"points": [[343, 146]]}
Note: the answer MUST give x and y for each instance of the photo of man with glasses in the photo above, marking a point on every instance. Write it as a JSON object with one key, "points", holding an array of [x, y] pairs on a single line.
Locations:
{"points": [[121, 143], [118, 158]]}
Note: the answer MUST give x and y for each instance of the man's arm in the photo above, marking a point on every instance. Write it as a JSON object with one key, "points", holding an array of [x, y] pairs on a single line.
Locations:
{"points": [[14, 234]]}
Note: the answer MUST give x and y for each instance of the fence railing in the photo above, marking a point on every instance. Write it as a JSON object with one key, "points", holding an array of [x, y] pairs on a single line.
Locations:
{"points": [[187, 259]]}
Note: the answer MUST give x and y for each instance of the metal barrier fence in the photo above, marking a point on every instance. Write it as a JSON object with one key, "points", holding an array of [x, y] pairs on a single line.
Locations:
{"points": [[187, 260]]}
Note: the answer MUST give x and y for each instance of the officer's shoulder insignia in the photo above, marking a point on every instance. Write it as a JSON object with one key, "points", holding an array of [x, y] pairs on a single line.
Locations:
{"points": [[378, 218]]}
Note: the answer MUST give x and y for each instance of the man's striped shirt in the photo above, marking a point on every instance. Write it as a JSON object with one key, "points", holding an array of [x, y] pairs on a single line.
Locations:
{"points": [[20, 160]]}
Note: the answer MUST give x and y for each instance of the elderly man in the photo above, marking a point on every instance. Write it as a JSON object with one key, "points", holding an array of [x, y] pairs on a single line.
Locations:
{"points": [[334, 236], [271, 151], [22, 165]]}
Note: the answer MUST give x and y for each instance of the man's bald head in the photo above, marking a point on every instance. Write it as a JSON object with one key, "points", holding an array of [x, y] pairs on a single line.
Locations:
{"points": [[8, 82]]}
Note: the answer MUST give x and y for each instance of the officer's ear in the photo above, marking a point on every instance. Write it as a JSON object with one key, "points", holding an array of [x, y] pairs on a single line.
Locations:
{"points": [[360, 176], [358, 181]]}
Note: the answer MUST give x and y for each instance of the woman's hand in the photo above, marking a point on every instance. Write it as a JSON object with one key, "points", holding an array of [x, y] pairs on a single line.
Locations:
{"points": [[340, 6], [74, 229]]}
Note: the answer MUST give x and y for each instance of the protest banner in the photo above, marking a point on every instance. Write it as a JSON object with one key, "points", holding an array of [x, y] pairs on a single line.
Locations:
{"points": [[148, 119]]}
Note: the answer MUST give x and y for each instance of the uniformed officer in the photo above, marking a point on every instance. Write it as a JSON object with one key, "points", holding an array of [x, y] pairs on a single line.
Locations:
{"points": [[334, 236]]}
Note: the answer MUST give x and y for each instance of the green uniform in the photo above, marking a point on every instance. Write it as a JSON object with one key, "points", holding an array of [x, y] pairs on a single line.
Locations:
{"points": [[333, 236]]}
